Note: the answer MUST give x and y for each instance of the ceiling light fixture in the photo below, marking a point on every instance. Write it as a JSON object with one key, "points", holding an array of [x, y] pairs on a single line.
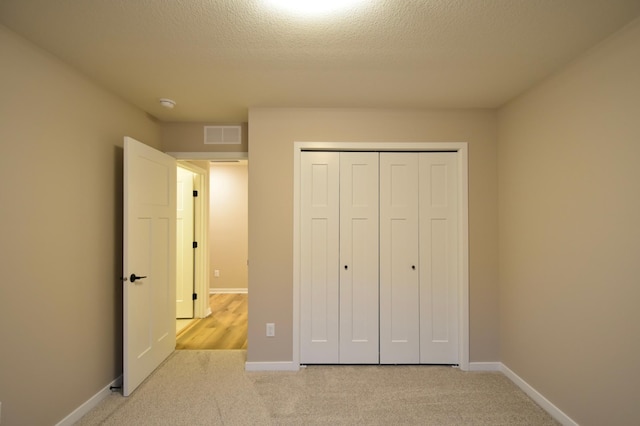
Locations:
{"points": [[313, 7], [167, 103]]}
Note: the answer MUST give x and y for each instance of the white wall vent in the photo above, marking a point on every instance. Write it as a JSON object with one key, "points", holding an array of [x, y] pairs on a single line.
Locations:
{"points": [[222, 135]]}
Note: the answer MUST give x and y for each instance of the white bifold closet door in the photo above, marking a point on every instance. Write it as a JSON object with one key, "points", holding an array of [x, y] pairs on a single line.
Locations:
{"points": [[339, 258], [418, 258], [379, 267]]}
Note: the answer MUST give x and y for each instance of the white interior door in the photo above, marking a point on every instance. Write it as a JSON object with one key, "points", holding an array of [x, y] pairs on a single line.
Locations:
{"points": [[184, 238], [319, 236], [399, 272], [149, 265], [439, 307], [359, 330]]}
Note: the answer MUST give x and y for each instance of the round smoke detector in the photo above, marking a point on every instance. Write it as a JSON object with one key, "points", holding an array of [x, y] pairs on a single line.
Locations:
{"points": [[167, 103]]}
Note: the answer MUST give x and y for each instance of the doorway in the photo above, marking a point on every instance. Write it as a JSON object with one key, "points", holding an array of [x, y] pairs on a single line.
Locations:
{"points": [[222, 322]]}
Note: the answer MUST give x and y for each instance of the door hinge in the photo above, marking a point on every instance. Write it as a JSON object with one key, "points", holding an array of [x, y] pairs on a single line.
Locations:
{"points": [[195, 296], [195, 193], [195, 244]]}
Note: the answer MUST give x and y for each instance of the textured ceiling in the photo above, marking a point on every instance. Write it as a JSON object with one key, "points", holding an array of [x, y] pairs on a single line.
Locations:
{"points": [[217, 58]]}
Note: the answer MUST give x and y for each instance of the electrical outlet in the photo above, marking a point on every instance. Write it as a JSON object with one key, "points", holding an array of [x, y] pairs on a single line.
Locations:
{"points": [[271, 329], [216, 273]]}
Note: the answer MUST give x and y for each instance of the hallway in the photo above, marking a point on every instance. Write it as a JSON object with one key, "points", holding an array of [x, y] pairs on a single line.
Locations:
{"points": [[225, 328]]}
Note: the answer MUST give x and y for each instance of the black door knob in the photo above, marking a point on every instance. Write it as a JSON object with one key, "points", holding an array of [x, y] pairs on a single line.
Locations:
{"points": [[133, 278]]}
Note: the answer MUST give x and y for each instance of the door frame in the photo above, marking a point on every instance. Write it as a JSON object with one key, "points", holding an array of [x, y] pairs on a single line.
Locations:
{"points": [[461, 149], [202, 308]]}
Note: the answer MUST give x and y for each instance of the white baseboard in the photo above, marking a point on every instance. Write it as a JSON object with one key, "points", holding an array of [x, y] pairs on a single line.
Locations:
{"points": [[554, 411], [485, 366], [271, 366], [90, 404], [228, 290]]}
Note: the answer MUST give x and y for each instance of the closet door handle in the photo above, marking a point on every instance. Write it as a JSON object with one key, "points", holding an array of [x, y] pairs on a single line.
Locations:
{"points": [[413, 267], [346, 267]]}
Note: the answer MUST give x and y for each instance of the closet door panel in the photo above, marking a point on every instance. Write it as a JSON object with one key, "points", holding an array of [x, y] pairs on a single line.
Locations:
{"points": [[359, 334], [319, 309], [399, 272], [438, 258]]}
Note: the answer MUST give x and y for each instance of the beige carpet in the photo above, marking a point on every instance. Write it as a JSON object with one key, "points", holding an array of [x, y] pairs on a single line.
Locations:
{"points": [[212, 388]]}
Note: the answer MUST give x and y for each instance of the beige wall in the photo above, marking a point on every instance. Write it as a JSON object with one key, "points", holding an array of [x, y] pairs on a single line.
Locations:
{"points": [[189, 137], [228, 227], [569, 174], [272, 133], [60, 227]]}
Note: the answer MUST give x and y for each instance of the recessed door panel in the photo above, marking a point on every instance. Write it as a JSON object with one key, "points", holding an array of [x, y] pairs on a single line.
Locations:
{"points": [[320, 283]]}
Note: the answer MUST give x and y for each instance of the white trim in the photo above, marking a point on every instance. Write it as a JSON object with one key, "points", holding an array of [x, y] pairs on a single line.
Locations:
{"points": [[271, 366], [485, 366], [209, 155], [90, 404], [228, 290], [554, 411], [191, 167], [462, 150], [380, 146], [296, 256], [463, 255]]}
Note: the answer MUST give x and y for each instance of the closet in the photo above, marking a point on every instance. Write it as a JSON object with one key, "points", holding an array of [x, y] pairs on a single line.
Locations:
{"points": [[378, 259]]}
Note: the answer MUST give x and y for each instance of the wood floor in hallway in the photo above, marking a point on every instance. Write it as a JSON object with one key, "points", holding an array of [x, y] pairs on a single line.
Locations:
{"points": [[225, 328]]}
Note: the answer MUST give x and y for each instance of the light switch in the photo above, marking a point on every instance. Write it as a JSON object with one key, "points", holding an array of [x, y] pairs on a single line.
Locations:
{"points": [[271, 329]]}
